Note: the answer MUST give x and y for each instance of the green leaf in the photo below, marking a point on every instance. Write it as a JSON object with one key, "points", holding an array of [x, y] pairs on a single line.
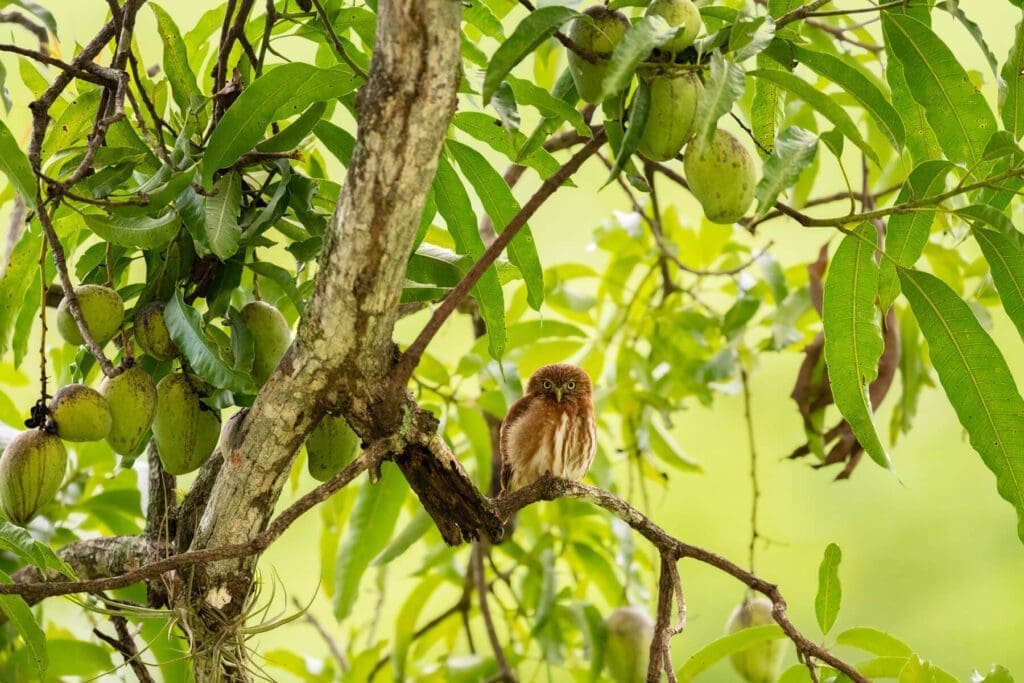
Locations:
{"points": [[175, 63], [22, 268], [20, 616], [405, 622], [501, 206], [875, 642], [860, 87], [719, 649], [485, 129], [1012, 105], [640, 39], [953, 7], [336, 139], [853, 340], [221, 209], [976, 379], [293, 135], [185, 325], [667, 450], [766, 107], [793, 152], [638, 112], [826, 602], [279, 93], [14, 164], [454, 205], [907, 233], [416, 529], [282, 278], [1005, 258], [537, 27], [369, 529], [564, 91], [821, 102], [957, 112], [724, 85], [142, 232], [921, 140], [554, 105]]}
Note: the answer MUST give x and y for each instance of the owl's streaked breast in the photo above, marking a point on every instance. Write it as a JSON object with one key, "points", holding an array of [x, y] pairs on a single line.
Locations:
{"points": [[559, 439]]}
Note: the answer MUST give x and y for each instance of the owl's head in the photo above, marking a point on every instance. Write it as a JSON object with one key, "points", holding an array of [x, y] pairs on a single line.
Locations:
{"points": [[561, 382]]}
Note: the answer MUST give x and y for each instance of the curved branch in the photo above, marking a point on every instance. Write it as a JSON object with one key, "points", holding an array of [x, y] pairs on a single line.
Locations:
{"points": [[549, 488]]}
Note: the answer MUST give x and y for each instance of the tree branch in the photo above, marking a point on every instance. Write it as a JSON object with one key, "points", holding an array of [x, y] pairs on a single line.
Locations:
{"points": [[403, 371], [549, 488]]}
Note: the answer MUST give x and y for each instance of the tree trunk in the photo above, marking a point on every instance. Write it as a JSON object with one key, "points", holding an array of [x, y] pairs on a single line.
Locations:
{"points": [[343, 351]]}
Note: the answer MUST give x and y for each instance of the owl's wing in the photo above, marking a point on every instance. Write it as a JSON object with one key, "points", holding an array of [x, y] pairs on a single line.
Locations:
{"points": [[515, 412]]}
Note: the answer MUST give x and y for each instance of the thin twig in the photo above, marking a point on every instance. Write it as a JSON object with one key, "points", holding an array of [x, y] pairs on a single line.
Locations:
{"points": [[504, 670], [410, 359]]}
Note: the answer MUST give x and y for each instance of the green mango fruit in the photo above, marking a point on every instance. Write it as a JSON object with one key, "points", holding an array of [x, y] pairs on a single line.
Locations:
{"points": [[132, 400], [721, 177], [151, 332], [761, 662], [598, 32], [31, 470], [672, 110], [680, 14], [271, 337], [102, 310], [185, 430], [80, 413], [330, 446], [627, 650]]}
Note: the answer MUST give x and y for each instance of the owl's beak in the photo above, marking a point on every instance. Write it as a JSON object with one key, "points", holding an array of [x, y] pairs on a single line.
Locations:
{"points": [[558, 394]]}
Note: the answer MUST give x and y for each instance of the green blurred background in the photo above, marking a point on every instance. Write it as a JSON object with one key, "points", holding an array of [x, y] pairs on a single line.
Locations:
{"points": [[930, 553]]}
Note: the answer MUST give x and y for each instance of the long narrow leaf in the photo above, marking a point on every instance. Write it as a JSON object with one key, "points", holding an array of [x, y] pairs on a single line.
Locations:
{"points": [[822, 103], [1012, 107], [907, 233], [20, 616], [958, 113], [1006, 260], [185, 326], [14, 164], [369, 530], [724, 85], [531, 32], [501, 206], [793, 152], [853, 340], [279, 93], [641, 38], [826, 602], [860, 87], [976, 379], [455, 207]]}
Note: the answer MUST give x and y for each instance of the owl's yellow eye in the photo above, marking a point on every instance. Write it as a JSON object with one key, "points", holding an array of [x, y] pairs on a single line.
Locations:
{"points": [[548, 384], [570, 386]]}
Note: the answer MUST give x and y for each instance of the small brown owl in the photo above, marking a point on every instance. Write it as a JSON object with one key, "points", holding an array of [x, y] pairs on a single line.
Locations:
{"points": [[550, 430]]}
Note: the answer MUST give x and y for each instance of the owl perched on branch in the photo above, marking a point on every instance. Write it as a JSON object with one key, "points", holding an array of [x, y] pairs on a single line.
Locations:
{"points": [[550, 430]]}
